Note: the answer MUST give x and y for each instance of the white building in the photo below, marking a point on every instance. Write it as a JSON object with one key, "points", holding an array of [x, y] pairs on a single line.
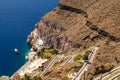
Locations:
{"points": [[39, 42]]}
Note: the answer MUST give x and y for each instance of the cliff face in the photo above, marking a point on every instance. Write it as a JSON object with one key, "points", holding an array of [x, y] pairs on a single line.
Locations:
{"points": [[72, 22], [80, 24], [64, 29], [102, 13]]}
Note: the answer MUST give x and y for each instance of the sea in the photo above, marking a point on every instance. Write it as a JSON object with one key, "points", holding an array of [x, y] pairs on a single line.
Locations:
{"points": [[17, 20]]}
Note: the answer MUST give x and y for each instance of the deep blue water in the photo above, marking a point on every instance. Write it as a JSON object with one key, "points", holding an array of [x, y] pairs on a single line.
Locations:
{"points": [[17, 19]]}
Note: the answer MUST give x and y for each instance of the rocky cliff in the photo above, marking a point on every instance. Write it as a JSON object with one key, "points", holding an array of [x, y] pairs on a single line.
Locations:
{"points": [[80, 24]]}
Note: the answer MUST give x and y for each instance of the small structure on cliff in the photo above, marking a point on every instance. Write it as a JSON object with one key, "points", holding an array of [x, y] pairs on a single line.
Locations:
{"points": [[29, 68], [39, 42]]}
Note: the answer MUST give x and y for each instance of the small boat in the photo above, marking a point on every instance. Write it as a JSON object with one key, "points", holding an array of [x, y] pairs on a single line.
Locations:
{"points": [[16, 50]]}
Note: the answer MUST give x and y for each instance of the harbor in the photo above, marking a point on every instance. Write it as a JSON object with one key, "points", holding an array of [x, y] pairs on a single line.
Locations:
{"points": [[29, 66]]}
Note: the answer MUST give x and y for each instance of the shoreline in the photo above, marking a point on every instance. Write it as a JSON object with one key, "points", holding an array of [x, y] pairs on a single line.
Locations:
{"points": [[24, 65], [29, 66], [21, 68]]}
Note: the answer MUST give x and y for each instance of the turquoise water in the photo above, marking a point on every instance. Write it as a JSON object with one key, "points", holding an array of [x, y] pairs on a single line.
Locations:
{"points": [[17, 19]]}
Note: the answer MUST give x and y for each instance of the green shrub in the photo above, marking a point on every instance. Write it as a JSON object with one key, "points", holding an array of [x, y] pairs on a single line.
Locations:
{"points": [[54, 51], [51, 30], [47, 55], [26, 77], [78, 57], [72, 70], [65, 78], [36, 78], [108, 66], [118, 78], [105, 68], [55, 65], [85, 57]]}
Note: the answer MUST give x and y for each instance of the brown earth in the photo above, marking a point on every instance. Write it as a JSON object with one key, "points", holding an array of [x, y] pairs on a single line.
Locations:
{"points": [[81, 24]]}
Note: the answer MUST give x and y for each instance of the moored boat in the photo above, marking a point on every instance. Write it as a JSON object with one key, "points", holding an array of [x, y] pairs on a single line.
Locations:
{"points": [[16, 50]]}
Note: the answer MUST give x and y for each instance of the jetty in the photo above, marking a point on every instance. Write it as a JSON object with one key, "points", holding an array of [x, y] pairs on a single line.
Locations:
{"points": [[30, 66], [32, 63]]}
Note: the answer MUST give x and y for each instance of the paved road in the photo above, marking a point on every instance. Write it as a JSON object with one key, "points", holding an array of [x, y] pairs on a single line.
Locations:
{"points": [[115, 77], [85, 66], [69, 59], [108, 73], [55, 59]]}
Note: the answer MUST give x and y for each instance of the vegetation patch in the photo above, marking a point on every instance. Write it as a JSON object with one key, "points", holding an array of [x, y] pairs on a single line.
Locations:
{"points": [[104, 68], [55, 65], [85, 57], [65, 78], [72, 70], [49, 53], [108, 66], [27, 77], [54, 51], [78, 57], [118, 78]]}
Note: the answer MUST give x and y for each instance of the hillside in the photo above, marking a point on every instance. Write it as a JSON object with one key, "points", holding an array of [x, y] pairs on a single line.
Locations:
{"points": [[79, 25]]}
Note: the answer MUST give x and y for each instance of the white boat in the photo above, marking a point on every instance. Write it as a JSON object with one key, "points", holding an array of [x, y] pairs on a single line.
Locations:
{"points": [[16, 50]]}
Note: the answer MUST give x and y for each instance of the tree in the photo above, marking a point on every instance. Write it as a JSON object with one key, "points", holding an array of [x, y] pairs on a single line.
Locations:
{"points": [[47, 55], [118, 78], [85, 57], [55, 51], [78, 57], [65, 78], [26, 77], [108, 66], [36, 78]]}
